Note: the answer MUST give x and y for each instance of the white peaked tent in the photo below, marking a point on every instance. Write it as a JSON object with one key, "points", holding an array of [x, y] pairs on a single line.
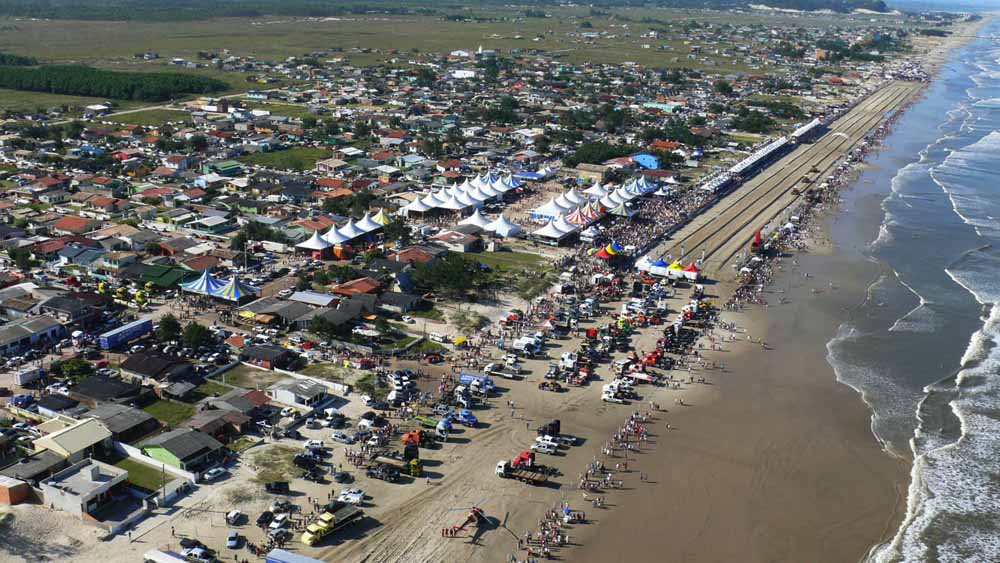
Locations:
{"points": [[573, 197], [431, 200], [350, 230], [465, 185], [333, 236], [478, 194], [550, 232], [490, 192], [479, 181], [467, 200], [367, 225], [625, 195], [596, 190], [453, 204], [511, 182], [415, 206], [563, 225], [549, 210], [315, 242], [611, 201], [476, 219], [503, 227]]}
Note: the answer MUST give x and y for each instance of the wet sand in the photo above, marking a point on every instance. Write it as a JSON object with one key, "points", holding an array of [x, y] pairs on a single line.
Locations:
{"points": [[775, 461]]}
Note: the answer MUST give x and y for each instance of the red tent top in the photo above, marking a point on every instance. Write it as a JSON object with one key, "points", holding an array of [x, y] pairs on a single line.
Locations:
{"points": [[757, 238], [690, 268], [602, 253]]}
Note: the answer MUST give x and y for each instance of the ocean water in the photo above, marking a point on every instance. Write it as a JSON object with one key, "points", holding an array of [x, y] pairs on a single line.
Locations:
{"points": [[923, 348]]}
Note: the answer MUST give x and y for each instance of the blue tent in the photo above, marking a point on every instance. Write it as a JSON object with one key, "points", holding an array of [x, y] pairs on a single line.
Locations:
{"points": [[206, 284], [660, 263], [235, 290]]}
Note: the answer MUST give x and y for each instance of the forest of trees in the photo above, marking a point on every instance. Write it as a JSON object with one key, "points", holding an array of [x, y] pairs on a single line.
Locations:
{"points": [[7, 59], [87, 81]]}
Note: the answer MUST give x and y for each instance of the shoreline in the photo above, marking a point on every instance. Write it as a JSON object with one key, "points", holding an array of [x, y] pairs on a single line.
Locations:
{"points": [[888, 469]]}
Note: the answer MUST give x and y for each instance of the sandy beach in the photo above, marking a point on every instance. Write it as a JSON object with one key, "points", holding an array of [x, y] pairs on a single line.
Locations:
{"points": [[775, 460]]}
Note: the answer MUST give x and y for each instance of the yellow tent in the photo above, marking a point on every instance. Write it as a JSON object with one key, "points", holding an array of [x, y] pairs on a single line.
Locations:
{"points": [[675, 266], [381, 218], [459, 340]]}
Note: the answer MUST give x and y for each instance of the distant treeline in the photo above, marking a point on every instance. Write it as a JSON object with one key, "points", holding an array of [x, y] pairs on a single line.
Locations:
{"points": [[180, 10], [6, 59], [87, 81]]}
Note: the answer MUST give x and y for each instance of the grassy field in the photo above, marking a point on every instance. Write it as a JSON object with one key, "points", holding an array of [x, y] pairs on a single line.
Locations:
{"points": [[16, 100], [151, 117], [275, 464], [327, 371], [295, 158], [274, 38], [144, 476], [251, 378], [512, 260], [169, 412], [209, 389], [288, 110]]}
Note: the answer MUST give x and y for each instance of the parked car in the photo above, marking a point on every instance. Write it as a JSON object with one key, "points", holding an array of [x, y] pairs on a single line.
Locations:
{"points": [[342, 438], [314, 445], [352, 496], [213, 474], [232, 539]]}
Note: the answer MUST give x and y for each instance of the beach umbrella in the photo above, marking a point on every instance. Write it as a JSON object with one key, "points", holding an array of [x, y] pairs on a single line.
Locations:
{"points": [[603, 254], [616, 247], [610, 250]]}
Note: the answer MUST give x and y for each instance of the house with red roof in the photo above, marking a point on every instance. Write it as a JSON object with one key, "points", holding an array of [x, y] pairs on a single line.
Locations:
{"points": [[74, 225]]}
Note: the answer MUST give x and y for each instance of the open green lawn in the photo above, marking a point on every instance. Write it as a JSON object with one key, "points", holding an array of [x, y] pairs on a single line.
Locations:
{"points": [[17, 100], [294, 158], [433, 314], [151, 117], [208, 389], [512, 260], [144, 476], [251, 378], [170, 413]]}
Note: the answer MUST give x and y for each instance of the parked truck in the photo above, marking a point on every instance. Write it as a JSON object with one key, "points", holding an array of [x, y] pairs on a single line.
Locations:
{"points": [[501, 370], [522, 468], [28, 375], [478, 383], [125, 334], [413, 467], [329, 523]]}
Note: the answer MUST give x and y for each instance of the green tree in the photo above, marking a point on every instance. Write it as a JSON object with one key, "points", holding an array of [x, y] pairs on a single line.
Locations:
{"points": [[452, 275], [169, 329], [75, 369], [723, 87], [195, 335], [22, 258]]}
